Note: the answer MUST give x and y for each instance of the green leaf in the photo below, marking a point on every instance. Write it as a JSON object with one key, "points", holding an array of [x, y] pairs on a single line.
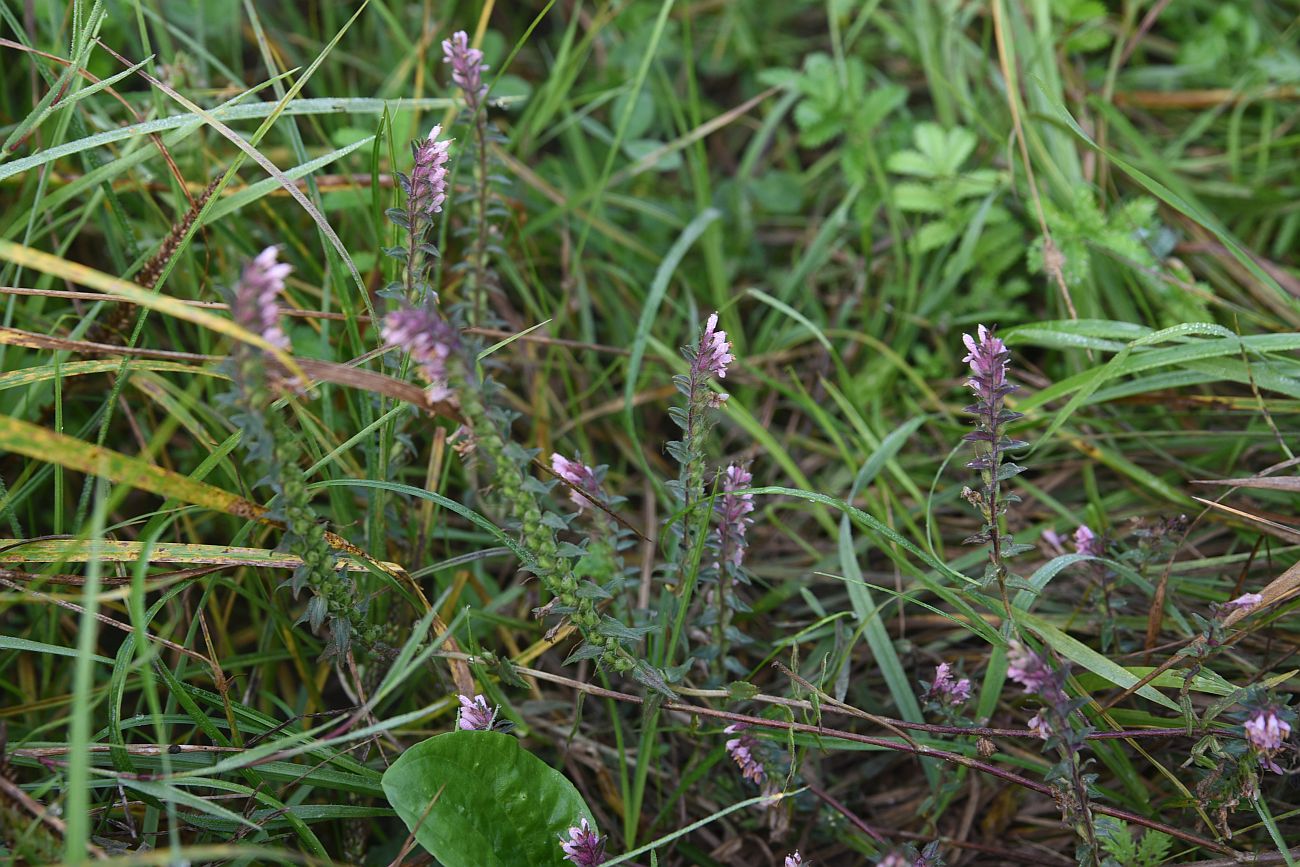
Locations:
{"points": [[911, 196], [740, 690], [478, 799], [11, 642]]}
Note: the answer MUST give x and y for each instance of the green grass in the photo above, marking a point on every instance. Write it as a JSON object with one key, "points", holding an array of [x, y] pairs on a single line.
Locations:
{"points": [[852, 186]]}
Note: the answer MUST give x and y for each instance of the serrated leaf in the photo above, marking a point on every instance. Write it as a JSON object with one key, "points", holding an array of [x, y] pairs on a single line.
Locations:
{"points": [[478, 799]]}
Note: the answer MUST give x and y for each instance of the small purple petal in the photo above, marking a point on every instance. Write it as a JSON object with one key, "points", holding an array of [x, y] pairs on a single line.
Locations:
{"points": [[1246, 600], [1087, 543], [1039, 726], [584, 847], [577, 474], [947, 690], [1266, 731], [741, 750], [1029, 669], [474, 714]]}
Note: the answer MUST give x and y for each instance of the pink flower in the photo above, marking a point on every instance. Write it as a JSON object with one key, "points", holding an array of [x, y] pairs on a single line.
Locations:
{"points": [[987, 357], [577, 474], [1039, 726], [474, 714], [254, 305], [428, 187], [1086, 542], [1246, 600], [733, 514], [1266, 731], [1028, 669], [714, 352], [795, 860], [946, 690], [430, 339], [584, 847], [467, 68], [741, 750]]}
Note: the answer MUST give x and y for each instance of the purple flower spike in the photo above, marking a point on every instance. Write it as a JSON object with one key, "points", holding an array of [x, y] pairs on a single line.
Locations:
{"points": [[796, 860], [584, 847], [430, 339], [1086, 542], [946, 690], [429, 174], [714, 353], [577, 474], [467, 68], [474, 714], [254, 306], [741, 750], [733, 514], [988, 358]]}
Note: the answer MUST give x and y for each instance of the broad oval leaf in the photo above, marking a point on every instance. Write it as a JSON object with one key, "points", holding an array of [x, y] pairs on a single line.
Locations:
{"points": [[494, 804]]}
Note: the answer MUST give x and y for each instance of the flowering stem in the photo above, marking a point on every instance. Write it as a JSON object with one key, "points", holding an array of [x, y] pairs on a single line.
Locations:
{"points": [[481, 236], [539, 539], [993, 489], [988, 359]]}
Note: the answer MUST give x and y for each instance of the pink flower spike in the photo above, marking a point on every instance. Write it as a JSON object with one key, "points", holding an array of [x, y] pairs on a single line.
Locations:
{"points": [[467, 68], [987, 356], [255, 304], [429, 176], [714, 352], [733, 511], [430, 339]]}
